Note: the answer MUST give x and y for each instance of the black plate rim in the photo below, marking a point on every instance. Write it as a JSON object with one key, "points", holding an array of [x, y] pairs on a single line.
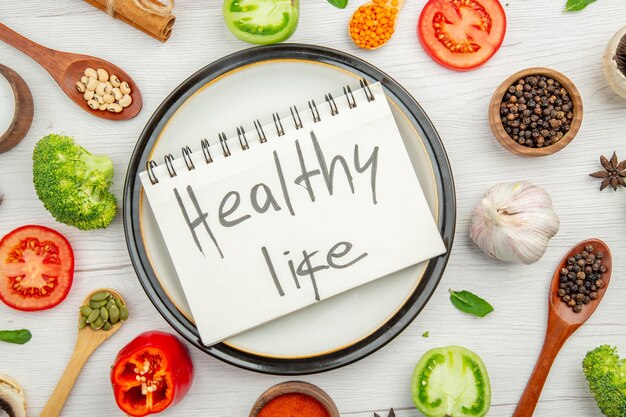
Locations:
{"points": [[344, 356]]}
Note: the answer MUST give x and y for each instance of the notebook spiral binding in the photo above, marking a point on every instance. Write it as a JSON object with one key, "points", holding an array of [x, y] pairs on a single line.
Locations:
{"points": [[241, 133]]}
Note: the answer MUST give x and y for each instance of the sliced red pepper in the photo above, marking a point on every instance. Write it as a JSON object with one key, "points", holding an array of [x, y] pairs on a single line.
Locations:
{"points": [[151, 373]]}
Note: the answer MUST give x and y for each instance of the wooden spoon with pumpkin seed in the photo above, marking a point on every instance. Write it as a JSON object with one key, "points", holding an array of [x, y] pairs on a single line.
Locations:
{"points": [[90, 337]]}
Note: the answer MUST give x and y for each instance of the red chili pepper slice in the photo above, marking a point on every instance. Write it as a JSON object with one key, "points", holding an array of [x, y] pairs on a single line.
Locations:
{"points": [[151, 373]]}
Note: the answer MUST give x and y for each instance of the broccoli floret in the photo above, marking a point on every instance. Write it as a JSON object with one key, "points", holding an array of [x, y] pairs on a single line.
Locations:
{"points": [[606, 374], [73, 184]]}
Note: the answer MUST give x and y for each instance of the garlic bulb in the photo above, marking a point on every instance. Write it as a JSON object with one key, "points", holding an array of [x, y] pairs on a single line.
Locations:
{"points": [[514, 222]]}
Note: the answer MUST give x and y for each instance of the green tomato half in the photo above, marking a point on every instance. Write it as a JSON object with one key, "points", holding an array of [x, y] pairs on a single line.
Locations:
{"points": [[262, 22], [453, 382]]}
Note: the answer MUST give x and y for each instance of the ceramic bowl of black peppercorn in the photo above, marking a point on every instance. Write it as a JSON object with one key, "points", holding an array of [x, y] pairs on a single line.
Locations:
{"points": [[536, 112]]}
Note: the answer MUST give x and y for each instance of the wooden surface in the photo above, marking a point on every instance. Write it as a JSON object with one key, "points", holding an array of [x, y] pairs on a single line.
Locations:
{"points": [[508, 340], [510, 144], [68, 68]]}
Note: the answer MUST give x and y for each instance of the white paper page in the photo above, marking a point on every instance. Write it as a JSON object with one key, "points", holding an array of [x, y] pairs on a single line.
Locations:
{"points": [[270, 237]]}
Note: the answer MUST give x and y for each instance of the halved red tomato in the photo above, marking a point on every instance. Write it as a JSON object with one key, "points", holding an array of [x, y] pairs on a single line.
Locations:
{"points": [[462, 34], [36, 268]]}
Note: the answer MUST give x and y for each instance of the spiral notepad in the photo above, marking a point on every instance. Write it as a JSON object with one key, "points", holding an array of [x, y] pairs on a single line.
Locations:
{"points": [[285, 214]]}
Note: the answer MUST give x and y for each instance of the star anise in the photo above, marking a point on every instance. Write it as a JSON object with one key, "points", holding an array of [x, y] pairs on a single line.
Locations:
{"points": [[391, 414], [613, 174]]}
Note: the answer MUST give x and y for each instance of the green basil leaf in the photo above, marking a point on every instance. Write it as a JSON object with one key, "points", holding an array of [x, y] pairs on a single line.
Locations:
{"points": [[576, 5], [470, 303], [15, 336], [339, 3]]}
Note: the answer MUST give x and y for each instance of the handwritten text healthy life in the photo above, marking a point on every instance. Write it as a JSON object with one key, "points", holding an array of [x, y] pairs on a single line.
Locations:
{"points": [[263, 199]]}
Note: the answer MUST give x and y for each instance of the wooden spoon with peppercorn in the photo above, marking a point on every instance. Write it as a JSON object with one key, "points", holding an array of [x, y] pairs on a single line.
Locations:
{"points": [[592, 261]]}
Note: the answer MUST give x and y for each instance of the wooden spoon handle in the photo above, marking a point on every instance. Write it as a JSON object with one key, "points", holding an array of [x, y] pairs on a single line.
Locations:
{"points": [[30, 48], [82, 351], [556, 335]]}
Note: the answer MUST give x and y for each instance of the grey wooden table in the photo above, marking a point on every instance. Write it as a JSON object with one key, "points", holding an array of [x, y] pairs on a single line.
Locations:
{"points": [[539, 34]]}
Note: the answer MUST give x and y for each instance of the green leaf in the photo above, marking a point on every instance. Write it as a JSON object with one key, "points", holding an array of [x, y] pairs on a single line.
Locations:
{"points": [[15, 336], [339, 3], [576, 5], [470, 303], [425, 334]]}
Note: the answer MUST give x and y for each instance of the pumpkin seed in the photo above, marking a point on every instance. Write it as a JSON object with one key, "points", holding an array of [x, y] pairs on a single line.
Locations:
{"points": [[97, 325], [85, 311], [95, 314], [123, 313], [107, 326], [97, 304], [114, 314], [104, 314], [82, 322], [101, 296]]}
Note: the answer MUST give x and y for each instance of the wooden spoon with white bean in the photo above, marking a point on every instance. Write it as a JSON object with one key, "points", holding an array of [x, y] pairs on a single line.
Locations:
{"points": [[68, 69]]}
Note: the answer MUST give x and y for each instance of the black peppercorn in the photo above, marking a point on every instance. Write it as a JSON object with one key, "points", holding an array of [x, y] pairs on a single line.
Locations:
{"points": [[581, 277], [546, 102]]}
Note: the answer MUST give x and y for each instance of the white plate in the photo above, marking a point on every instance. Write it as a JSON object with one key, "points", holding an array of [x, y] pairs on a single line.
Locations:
{"points": [[207, 104]]}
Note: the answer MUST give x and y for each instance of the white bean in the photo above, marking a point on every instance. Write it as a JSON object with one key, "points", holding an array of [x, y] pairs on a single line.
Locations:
{"points": [[84, 79], [103, 75], [108, 88], [91, 73], [93, 104], [125, 88], [88, 95], [99, 99], [114, 108], [92, 84], [114, 80], [81, 87], [126, 101], [103, 106], [117, 93], [108, 98], [100, 89]]}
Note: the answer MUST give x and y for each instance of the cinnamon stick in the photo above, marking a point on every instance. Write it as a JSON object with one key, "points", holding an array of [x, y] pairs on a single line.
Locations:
{"points": [[154, 23]]}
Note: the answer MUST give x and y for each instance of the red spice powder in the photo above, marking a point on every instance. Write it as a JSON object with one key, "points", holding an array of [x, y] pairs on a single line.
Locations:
{"points": [[293, 405]]}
